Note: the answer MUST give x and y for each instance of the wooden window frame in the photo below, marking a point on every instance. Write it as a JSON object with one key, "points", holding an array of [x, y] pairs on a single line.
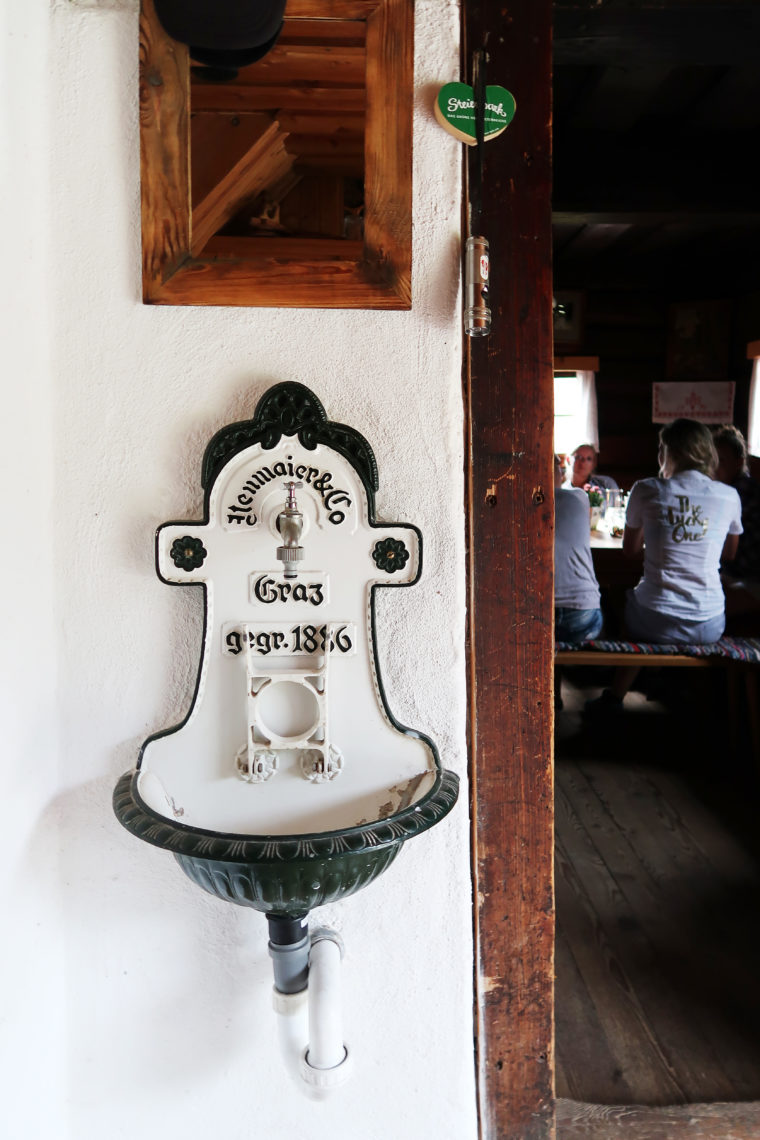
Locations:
{"points": [[576, 363], [374, 274]]}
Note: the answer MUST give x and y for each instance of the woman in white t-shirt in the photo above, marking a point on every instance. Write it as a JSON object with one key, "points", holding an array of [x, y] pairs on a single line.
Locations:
{"points": [[686, 523]]}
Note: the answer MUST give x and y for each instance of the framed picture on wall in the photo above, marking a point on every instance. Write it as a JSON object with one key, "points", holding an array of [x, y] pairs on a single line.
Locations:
{"points": [[699, 340], [569, 314], [709, 401]]}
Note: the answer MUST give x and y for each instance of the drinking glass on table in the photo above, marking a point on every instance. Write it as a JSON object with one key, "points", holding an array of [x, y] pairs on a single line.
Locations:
{"points": [[614, 515]]}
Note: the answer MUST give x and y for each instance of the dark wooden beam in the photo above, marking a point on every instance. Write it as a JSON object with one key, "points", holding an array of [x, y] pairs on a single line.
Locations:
{"points": [[238, 97], [668, 259], [614, 173], [265, 162], [708, 219], [510, 534], [654, 34], [331, 9], [317, 31]]}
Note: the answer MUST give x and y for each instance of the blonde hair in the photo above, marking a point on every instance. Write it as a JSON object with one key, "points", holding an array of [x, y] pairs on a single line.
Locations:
{"points": [[688, 446]]}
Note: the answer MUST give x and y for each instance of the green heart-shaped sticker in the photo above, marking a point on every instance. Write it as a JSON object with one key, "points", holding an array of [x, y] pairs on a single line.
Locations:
{"points": [[455, 111]]}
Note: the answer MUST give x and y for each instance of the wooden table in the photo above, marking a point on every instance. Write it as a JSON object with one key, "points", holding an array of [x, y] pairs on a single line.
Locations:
{"points": [[600, 540]]}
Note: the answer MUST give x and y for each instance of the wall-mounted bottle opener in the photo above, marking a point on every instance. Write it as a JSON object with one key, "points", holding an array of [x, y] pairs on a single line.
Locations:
{"points": [[475, 115]]}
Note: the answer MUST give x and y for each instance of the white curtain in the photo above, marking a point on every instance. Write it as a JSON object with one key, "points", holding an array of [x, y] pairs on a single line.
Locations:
{"points": [[575, 418], [753, 431]]}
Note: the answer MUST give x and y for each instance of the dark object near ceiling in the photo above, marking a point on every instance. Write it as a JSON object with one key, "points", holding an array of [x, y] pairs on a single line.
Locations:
{"points": [[656, 125], [225, 34]]}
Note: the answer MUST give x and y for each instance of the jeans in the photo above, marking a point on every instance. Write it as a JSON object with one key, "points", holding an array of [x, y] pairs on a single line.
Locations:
{"points": [[576, 625], [658, 628]]}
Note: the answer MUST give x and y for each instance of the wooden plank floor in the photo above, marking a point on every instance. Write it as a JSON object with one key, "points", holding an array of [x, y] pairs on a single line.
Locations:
{"points": [[658, 912], [677, 1122]]}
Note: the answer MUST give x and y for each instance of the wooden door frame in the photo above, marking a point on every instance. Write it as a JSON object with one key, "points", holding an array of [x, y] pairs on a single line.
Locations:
{"points": [[509, 423], [510, 518]]}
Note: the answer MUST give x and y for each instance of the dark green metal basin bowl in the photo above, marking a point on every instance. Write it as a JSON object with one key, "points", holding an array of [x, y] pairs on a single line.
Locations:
{"points": [[284, 874]]}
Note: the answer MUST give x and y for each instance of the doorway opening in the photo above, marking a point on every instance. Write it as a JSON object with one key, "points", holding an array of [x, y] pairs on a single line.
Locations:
{"points": [[657, 861]]}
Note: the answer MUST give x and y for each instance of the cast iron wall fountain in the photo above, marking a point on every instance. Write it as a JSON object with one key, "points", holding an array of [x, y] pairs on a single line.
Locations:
{"points": [[289, 784]]}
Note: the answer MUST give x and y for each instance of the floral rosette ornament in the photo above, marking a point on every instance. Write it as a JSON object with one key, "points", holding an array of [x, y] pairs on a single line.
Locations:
{"points": [[188, 553], [390, 555]]}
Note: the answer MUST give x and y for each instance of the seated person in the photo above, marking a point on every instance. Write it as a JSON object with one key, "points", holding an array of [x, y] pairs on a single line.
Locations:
{"points": [[685, 522], [582, 471], [577, 616], [741, 581]]}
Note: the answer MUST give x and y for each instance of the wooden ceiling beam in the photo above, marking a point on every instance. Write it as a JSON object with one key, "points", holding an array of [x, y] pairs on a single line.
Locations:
{"points": [[347, 33], [331, 9], [733, 102], [265, 162], [305, 123], [217, 142], [709, 219], [339, 164], [703, 33], [237, 97], [332, 144], [616, 99], [666, 264], [324, 64], [640, 171], [593, 240], [675, 168]]}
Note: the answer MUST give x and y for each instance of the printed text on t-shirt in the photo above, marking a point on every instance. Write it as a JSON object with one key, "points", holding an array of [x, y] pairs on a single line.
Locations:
{"points": [[687, 521]]}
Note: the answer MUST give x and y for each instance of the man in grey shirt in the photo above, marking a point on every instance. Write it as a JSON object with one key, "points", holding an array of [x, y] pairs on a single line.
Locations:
{"points": [[577, 615]]}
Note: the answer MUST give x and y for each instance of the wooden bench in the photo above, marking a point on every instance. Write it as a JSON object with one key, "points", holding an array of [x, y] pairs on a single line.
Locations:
{"points": [[740, 657], [616, 657]]}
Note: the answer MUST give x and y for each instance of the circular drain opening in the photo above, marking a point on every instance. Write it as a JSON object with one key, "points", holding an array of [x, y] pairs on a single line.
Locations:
{"points": [[287, 710]]}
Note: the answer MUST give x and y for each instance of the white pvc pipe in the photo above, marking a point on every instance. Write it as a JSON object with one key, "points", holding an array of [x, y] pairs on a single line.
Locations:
{"points": [[310, 1023], [292, 1028], [326, 1049]]}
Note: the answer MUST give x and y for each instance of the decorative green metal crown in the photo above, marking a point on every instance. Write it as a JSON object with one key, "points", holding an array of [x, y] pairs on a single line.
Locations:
{"points": [[291, 409]]}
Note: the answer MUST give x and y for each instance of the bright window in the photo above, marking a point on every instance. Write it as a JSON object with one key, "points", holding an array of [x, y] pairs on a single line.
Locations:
{"points": [[753, 430], [575, 418]]}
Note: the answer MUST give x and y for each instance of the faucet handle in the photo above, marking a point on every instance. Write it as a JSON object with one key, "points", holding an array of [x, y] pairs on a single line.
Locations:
{"points": [[291, 487], [290, 526]]}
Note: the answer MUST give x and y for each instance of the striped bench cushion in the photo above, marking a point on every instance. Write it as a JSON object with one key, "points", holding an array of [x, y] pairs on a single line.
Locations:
{"points": [[737, 648]]}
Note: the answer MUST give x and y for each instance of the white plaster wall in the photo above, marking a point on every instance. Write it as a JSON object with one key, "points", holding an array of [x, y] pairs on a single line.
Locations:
{"points": [[154, 1005], [32, 981]]}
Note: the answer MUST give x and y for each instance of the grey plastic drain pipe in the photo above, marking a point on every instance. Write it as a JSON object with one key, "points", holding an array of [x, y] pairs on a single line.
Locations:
{"points": [[307, 1000]]}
